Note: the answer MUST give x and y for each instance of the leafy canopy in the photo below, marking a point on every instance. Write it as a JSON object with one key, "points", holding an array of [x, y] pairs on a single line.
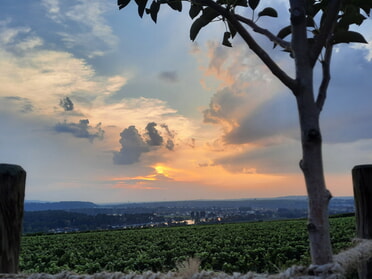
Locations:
{"points": [[204, 12]]}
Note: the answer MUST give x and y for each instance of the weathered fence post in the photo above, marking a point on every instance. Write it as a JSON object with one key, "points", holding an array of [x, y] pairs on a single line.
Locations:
{"points": [[12, 193], [362, 184]]}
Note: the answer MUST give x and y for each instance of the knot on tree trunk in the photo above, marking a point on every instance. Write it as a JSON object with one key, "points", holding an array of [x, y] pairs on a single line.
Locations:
{"points": [[313, 135], [311, 227]]}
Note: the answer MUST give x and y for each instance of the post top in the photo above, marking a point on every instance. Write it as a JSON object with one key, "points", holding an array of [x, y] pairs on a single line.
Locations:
{"points": [[367, 166], [9, 168]]}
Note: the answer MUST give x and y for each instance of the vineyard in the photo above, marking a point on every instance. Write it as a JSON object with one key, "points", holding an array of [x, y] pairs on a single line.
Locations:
{"points": [[242, 247]]}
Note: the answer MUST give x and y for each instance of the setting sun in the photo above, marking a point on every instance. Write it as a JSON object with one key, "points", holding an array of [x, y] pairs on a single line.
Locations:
{"points": [[159, 169], [104, 118]]}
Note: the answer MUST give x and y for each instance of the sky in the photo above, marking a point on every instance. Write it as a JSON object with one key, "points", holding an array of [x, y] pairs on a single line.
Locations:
{"points": [[99, 105]]}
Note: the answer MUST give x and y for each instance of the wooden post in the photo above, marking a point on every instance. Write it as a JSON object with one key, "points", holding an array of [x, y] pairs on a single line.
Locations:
{"points": [[362, 184], [12, 193]]}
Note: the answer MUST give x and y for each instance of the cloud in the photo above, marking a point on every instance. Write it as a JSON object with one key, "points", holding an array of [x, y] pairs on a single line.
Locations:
{"points": [[30, 43], [170, 76], [276, 117], [53, 9], [132, 146], [245, 85], [140, 182], [251, 114], [115, 83], [222, 106], [344, 129], [170, 144], [66, 104], [347, 114], [81, 129], [281, 157], [169, 132], [154, 138], [24, 105], [44, 76], [260, 118], [93, 36], [11, 35]]}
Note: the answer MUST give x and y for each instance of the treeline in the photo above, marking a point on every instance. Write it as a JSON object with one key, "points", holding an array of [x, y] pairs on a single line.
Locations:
{"points": [[63, 221]]}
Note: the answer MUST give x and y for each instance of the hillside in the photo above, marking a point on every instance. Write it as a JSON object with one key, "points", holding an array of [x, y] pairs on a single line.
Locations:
{"points": [[243, 247]]}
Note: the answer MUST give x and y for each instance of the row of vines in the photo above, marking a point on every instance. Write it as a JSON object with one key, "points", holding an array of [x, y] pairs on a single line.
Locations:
{"points": [[243, 247]]}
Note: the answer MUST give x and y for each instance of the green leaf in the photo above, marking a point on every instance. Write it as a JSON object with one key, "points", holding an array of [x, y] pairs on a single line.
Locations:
{"points": [[348, 37], [284, 32], [208, 15], [234, 3], [268, 12], [198, 24], [175, 5], [242, 3], [154, 9], [253, 4], [194, 10], [351, 16], [141, 6], [226, 37], [123, 3]]}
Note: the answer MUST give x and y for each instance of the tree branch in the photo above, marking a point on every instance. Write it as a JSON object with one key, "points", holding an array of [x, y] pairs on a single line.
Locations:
{"points": [[252, 44], [325, 30], [284, 44], [322, 93]]}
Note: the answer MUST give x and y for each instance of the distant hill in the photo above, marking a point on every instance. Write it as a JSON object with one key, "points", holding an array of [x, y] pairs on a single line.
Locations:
{"points": [[289, 202], [62, 205]]}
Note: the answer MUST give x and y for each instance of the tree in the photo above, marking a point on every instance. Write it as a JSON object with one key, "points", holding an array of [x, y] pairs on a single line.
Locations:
{"points": [[316, 27]]}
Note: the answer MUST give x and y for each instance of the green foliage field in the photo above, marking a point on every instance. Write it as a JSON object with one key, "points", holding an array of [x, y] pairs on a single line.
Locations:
{"points": [[260, 247]]}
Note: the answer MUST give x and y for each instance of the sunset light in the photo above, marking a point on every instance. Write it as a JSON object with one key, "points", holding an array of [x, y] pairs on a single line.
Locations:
{"points": [[110, 110]]}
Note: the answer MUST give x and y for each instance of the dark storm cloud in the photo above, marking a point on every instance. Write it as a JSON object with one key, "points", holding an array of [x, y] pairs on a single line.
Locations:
{"points": [[66, 104], [81, 129], [154, 138], [169, 76], [132, 146]]}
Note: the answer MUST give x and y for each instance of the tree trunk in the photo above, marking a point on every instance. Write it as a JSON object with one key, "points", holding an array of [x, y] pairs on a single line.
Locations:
{"points": [[12, 192], [312, 162], [312, 167]]}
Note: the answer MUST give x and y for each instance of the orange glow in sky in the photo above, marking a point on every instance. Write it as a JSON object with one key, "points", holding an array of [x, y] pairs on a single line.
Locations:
{"points": [[93, 111]]}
